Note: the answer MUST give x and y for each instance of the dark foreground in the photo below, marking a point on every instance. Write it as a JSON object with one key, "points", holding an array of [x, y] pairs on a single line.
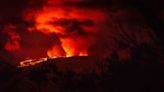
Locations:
{"points": [[83, 74]]}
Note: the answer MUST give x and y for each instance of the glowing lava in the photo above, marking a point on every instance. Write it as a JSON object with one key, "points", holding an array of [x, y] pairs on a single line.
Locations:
{"points": [[31, 62]]}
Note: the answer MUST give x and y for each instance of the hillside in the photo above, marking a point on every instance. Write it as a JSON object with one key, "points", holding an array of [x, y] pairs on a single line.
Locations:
{"points": [[83, 74]]}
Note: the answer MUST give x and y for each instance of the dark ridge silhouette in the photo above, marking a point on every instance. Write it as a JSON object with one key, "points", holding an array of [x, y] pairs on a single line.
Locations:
{"points": [[107, 75]]}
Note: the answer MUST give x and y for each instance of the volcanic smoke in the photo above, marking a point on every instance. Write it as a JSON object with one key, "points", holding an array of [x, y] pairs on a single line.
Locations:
{"points": [[63, 28], [75, 27]]}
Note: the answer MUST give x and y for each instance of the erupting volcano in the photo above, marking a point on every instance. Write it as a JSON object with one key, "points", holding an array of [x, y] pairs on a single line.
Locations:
{"points": [[66, 28], [81, 46], [76, 28]]}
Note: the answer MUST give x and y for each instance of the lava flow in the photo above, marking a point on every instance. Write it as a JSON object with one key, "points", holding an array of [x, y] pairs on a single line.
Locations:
{"points": [[31, 62]]}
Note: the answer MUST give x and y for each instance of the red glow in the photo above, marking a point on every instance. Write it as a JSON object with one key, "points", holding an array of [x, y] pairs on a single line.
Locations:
{"points": [[13, 43], [10, 46], [72, 43], [75, 27]]}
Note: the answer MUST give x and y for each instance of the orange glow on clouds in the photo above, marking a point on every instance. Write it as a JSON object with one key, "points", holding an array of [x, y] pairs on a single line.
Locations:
{"points": [[72, 43], [49, 14], [75, 28]]}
